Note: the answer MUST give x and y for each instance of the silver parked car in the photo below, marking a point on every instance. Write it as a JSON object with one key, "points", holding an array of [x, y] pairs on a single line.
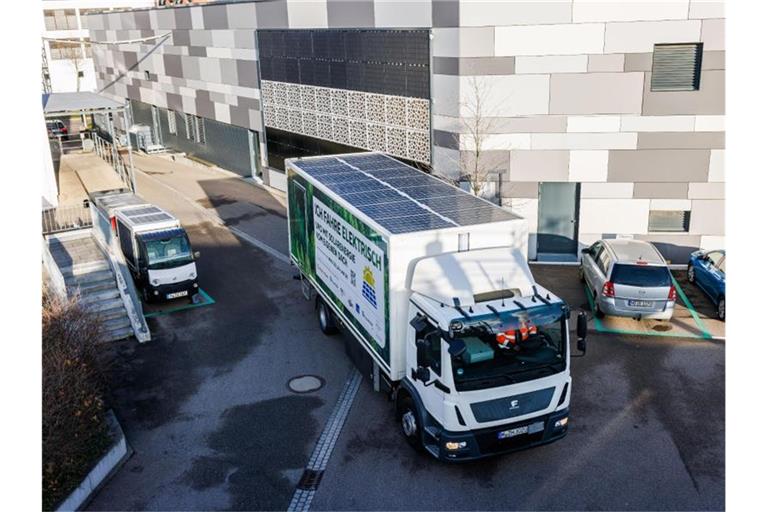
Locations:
{"points": [[628, 278]]}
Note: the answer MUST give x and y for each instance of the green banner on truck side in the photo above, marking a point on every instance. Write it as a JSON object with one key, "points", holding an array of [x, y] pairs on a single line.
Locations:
{"points": [[344, 256]]}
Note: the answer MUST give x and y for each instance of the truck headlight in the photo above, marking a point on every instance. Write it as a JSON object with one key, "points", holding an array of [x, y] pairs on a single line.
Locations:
{"points": [[562, 422], [455, 445], [194, 285]]}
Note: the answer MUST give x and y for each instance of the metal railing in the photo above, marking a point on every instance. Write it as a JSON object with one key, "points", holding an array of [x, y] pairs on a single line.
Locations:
{"points": [[66, 218], [110, 154]]}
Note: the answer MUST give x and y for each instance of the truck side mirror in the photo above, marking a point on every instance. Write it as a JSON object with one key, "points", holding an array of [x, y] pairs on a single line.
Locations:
{"points": [[581, 331], [421, 373], [421, 352], [196, 255]]}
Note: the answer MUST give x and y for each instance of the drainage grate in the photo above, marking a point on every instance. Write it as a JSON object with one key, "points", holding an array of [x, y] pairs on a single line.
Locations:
{"points": [[310, 479]]}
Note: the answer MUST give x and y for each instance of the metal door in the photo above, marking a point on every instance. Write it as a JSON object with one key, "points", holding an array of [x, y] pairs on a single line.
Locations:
{"points": [[558, 219], [157, 133]]}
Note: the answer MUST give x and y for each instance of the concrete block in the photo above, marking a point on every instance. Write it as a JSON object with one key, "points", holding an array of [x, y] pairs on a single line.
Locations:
{"points": [[713, 34], [591, 10], [607, 190], [508, 96], [606, 63], [640, 36], [307, 14], [551, 64], [631, 123], [588, 166], [661, 190], [681, 140], [596, 93], [484, 13], [709, 99], [594, 124], [584, 141], [463, 42], [638, 62], [706, 190], [707, 217], [716, 166], [401, 14], [700, 9], [671, 204], [619, 216], [658, 165], [566, 39], [538, 166]]}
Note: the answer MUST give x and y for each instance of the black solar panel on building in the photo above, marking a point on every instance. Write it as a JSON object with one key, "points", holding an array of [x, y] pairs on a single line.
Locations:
{"points": [[398, 197]]}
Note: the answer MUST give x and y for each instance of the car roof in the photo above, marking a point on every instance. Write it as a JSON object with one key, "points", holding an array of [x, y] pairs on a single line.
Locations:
{"points": [[632, 251]]}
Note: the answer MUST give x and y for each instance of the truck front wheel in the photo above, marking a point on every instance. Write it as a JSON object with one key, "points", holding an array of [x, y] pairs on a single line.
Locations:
{"points": [[325, 318], [410, 426]]}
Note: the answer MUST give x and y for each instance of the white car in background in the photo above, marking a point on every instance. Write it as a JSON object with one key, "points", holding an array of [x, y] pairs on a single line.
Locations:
{"points": [[628, 278]]}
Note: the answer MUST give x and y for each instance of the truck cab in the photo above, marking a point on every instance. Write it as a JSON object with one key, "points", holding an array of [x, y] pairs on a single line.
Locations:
{"points": [[487, 358]]}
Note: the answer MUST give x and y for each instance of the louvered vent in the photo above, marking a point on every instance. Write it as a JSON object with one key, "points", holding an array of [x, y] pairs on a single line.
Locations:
{"points": [[676, 67], [671, 221]]}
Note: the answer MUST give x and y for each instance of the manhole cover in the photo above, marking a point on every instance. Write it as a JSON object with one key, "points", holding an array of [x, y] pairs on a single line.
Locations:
{"points": [[305, 383], [662, 328]]}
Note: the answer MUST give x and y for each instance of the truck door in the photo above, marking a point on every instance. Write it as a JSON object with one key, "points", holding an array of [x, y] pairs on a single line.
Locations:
{"points": [[429, 355]]}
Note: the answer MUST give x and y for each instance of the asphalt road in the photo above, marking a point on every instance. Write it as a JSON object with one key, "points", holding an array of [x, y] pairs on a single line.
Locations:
{"points": [[206, 408]]}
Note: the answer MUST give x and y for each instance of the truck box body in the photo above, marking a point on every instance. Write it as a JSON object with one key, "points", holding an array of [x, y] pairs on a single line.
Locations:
{"points": [[359, 223]]}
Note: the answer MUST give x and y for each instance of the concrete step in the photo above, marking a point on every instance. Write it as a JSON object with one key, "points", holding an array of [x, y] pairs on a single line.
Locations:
{"points": [[96, 275], [100, 296], [116, 323], [110, 314], [85, 268], [90, 287], [119, 334], [104, 305]]}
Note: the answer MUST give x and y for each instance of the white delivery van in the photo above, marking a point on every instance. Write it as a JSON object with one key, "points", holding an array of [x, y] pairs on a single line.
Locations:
{"points": [[433, 285]]}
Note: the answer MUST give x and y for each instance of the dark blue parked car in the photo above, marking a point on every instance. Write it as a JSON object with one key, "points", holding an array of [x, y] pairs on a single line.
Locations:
{"points": [[707, 269]]}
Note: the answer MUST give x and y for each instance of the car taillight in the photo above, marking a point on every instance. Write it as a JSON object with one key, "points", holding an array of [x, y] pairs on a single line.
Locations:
{"points": [[64, 129], [608, 290], [672, 294]]}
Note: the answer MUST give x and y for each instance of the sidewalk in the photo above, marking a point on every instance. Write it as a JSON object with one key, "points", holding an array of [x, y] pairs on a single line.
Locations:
{"points": [[245, 208]]}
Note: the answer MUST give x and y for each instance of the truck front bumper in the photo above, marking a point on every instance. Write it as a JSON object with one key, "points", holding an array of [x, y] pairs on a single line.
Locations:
{"points": [[477, 444], [172, 291]]}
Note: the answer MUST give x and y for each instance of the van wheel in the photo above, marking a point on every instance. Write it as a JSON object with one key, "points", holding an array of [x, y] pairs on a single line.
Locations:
{"points": [[691, 274], [721, 309], [325, 318], [410, 425]]}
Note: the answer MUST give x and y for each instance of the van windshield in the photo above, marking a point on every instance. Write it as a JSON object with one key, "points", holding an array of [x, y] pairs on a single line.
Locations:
{"points": [[640, 275], [167, 253], [513, 346]]}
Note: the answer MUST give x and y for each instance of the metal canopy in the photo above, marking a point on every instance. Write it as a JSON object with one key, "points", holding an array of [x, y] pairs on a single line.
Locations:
{"points": [[69, 103]]}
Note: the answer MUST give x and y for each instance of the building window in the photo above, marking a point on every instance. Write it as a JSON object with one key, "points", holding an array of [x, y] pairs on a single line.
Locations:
{"points": [[66, 50], [676, 67], [669, 221], [171, 121], [199, 130], [189, 126], [60, 19]]}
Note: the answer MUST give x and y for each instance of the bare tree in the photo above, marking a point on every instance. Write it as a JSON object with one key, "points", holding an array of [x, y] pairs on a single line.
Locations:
{"points": [[475, 117], [73, 52]]}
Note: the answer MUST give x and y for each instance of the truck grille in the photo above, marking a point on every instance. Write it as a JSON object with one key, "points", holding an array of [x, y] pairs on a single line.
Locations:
{"points": [[512, 406]]}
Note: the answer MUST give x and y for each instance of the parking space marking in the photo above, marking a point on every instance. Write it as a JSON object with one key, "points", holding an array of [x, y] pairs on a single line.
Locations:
{"points": [[313, 473], [705, 334], [208, 301]]}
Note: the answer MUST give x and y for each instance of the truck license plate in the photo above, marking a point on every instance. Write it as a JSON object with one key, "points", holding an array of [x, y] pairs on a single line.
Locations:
{"points": [[506, 434], [176, 295], [641, 303]]}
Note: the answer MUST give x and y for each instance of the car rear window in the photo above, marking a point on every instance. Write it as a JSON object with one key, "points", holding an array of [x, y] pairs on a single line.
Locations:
{"points": [[640, 275]]}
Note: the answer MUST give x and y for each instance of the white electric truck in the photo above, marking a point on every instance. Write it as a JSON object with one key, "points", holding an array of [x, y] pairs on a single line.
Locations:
{"points": [[156, 247], [433, 285]]}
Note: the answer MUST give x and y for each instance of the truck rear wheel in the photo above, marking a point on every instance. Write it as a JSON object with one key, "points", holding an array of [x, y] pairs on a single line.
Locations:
{"points": [[410, 426], [326, 319]]}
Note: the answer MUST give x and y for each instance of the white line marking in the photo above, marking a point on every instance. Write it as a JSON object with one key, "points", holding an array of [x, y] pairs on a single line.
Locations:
{"points": [[302, 498], [221, 222]]}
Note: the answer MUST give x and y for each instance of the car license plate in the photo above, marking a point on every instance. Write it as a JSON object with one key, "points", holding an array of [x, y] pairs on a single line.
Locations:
{"points": [[177, 295], [506, 434], [641, 303]]}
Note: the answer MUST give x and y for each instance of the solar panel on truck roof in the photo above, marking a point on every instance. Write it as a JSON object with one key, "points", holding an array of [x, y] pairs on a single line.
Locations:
{"points": [[400, 198]]}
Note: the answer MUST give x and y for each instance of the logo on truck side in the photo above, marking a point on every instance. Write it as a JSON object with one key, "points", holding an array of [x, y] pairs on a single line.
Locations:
{"points": [[369, 286]]}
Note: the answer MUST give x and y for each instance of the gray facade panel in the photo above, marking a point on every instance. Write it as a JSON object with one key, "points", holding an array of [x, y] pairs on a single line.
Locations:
{"points": [[713, 60], [638, 61], [180, 38], [204, 107], [658, 165], [141, 18], [247, 73], [445, 13], [539, 165], [681, 140], [228, 71], [445, 66], [245, 38], [661, 191], [239, 116], [520, 189], [350, 14], [182, 18], [272, 14], [487, 66], [215, 17], [491, 162], [174, 102], [242, 15], [709, 99], [172, 65], [197, 51], [445, 139]]}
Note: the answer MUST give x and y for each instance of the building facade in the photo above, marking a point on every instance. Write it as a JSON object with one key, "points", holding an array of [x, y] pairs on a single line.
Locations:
{"points": [[66, 45], [591, 119]]}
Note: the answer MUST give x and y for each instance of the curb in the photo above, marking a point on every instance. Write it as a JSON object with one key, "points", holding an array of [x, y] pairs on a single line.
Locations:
{"points": [[102, 471]]}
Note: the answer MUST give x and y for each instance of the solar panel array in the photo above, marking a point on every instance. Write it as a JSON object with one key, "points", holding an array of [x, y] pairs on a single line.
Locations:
{"points": [[146, 215], [398, 197]]}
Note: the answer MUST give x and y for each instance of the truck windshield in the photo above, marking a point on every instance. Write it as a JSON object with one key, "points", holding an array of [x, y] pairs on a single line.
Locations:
{"points": [[167, 253], [509, 347]]}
